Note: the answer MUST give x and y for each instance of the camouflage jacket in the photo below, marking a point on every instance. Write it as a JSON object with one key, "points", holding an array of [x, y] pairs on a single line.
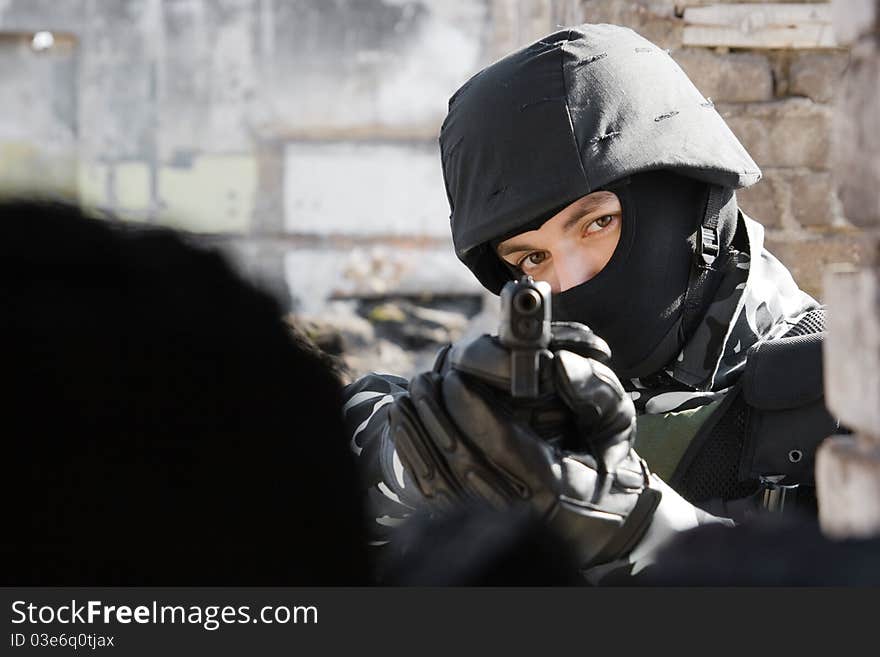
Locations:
{"points": [[757, 300]]}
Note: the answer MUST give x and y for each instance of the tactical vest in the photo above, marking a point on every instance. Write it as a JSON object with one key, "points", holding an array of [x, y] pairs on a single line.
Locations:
{"points": [[768, 426]]}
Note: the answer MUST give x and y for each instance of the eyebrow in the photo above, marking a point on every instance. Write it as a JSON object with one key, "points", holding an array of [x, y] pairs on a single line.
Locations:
{"points": [[589, 206]]}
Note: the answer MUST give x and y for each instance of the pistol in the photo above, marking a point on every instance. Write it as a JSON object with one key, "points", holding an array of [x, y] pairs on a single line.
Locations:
{"points": [[525, 330]]}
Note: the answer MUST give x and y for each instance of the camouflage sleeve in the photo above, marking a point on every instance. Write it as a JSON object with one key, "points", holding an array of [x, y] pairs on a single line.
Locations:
{"points": [[391, 494]]}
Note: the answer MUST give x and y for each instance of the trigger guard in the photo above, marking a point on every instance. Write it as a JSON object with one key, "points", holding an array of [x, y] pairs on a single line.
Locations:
{"points": [[489, 361], [484, 358]]}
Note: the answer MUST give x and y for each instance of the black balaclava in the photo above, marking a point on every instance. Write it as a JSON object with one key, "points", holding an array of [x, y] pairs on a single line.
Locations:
{"points": [[636, 302], [577, 112]]}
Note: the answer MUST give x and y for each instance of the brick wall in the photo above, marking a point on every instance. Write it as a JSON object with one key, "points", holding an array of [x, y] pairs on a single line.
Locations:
{"points": [[773, 75]]}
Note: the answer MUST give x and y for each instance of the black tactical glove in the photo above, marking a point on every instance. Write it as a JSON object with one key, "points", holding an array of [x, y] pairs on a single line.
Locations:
{"points": [[567, 453]]}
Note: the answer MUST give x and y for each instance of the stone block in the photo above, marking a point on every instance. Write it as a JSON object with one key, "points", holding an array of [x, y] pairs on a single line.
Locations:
{"points": [[735, 77], [765, 25], [808, 255], [853, 18], [653, 19], [767, 201], [389, 189], [848, 487], [813, 196], [791, 198], [786, 133], [817, 75], [131, 186], [856, 135], [852, 350], [210, 194]]}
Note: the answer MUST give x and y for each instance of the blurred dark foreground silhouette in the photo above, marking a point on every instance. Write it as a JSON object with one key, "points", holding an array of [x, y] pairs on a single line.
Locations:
{"points": [[769, 550], [479, 547], [159, 424]]}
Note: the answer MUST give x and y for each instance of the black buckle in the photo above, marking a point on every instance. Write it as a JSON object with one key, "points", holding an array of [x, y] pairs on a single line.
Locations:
{"points": [[708, 250]]}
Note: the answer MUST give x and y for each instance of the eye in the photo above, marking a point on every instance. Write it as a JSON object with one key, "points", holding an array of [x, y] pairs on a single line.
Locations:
{"points": [[532, 260], [600, 223]]}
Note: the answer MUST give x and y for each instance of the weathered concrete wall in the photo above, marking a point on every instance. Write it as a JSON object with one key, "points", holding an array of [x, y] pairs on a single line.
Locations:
{"points": [[288, 122]]}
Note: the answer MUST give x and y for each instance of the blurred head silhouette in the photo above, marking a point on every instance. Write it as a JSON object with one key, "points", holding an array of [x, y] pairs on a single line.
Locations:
{"points": [[160, 426]]}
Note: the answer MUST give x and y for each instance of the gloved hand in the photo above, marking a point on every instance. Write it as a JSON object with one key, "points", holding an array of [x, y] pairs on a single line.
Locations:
{"points": [[566, 454]]}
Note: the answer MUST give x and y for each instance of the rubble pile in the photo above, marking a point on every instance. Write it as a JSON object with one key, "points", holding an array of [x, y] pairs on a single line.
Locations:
{"points": [[395, 334]]}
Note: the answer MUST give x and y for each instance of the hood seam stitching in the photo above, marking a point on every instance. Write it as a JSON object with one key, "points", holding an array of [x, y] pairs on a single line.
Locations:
{"points": [[562, 53]]}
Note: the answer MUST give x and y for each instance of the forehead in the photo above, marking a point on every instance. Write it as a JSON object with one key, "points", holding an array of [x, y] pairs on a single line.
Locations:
{"points": [[596, 202], [590, 202]]}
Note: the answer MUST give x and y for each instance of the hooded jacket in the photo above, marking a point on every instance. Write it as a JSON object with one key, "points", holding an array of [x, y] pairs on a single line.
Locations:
{"points": [[564, 117], [586, 109]]}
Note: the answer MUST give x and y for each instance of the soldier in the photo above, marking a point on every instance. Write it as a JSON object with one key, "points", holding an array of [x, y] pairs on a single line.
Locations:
{"points": [[589, 160]]}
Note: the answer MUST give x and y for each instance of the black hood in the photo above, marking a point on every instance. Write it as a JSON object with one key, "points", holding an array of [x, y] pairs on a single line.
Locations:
{"points": [[637, 303], [568, 115]]}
